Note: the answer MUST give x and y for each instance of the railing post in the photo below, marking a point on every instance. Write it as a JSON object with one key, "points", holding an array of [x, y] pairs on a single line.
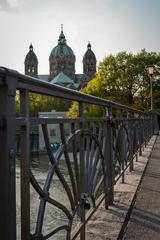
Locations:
{"points": [[7, 159], [122, 146], [130, 140], [25, 167], [82, 175], [147, 127], [109, 158], [105, 152], [140, 135], [145, 130], [155, 123]]}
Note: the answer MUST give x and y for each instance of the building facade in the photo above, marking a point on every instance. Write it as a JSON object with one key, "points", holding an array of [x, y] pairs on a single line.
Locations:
{"points": [[53, 129], [62, 65]]}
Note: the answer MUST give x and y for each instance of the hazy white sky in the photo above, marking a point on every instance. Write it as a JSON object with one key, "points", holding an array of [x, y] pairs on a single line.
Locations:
{"points": [[110, 25]]}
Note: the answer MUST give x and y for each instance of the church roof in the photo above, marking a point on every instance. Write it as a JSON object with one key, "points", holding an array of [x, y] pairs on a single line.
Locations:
{"points": [[43, 77], [62, 78], [62, 49], [89, 54]]}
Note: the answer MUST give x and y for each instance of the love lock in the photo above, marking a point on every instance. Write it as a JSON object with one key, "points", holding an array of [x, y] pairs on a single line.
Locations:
{"points": [[85, 202], [87, 205]]}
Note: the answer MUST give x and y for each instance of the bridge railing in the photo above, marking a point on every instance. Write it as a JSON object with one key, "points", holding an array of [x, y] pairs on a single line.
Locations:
{"points": [[96, 154]]}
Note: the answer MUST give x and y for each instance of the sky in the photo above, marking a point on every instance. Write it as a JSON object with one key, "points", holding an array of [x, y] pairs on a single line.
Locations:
{"points": [[110, 25]]}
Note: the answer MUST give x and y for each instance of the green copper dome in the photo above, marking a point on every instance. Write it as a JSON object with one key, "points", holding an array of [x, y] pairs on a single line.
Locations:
{"points": [[62, 49]]}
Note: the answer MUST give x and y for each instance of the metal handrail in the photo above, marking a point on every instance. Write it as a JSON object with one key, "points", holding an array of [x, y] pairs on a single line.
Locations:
{"points": [[38, 86], [102, 148]]}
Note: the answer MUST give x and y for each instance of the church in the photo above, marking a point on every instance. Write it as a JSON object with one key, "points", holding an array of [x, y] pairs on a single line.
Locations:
{"points": [[62, 65]]}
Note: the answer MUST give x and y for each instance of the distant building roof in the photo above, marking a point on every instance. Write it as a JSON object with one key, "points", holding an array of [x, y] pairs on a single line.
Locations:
{"points": [[78, 81], [78, 78], [43, 77], [62, 78]]}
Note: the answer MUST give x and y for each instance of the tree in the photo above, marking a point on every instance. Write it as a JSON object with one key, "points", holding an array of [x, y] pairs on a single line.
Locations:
{"points": [[123, 78], [43, 103]]}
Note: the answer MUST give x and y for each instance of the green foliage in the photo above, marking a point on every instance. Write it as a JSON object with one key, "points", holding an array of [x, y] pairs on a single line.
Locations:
{"points": [[123, 78], [73, 111], [89, 111], [42, 103]]}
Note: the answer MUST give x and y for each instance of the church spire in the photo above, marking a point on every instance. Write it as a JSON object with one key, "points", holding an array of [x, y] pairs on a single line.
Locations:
{"points": [[62, 39], [31, 63], [89, 65], [89, 45], [62, 58], [31, 47], [61, 27]]}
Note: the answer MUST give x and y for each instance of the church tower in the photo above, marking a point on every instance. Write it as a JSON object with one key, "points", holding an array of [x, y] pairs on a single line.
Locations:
{"points": [[62, 59], [89, 65], [31, 63]]}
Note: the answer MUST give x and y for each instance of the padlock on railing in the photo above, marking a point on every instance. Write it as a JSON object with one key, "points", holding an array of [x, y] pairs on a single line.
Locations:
{"points": [[85, 201]]}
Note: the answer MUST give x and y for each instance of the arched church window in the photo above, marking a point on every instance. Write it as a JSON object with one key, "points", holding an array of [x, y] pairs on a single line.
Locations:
{"points": [[28, 69], [87, 67], [33, 69], [92, 66]]}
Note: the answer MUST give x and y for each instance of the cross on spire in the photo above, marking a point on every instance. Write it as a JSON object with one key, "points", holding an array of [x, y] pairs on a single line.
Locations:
{"points": [[31, 47], [61, 27]]}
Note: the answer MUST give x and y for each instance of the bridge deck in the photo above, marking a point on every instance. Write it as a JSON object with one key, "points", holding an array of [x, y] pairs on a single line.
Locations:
{"points": [[140, 193], [144, 221]]}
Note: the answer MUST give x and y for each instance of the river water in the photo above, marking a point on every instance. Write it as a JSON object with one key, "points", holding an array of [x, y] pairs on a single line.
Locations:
{"points": [[53, 216]]}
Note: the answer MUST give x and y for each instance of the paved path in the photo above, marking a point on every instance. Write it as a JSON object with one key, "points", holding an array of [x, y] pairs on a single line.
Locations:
{"points": [[108, 224], [144, 221]]}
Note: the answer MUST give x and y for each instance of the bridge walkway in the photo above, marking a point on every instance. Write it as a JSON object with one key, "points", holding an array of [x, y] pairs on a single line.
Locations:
{"points": [[137, 200], [144, 222]]}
